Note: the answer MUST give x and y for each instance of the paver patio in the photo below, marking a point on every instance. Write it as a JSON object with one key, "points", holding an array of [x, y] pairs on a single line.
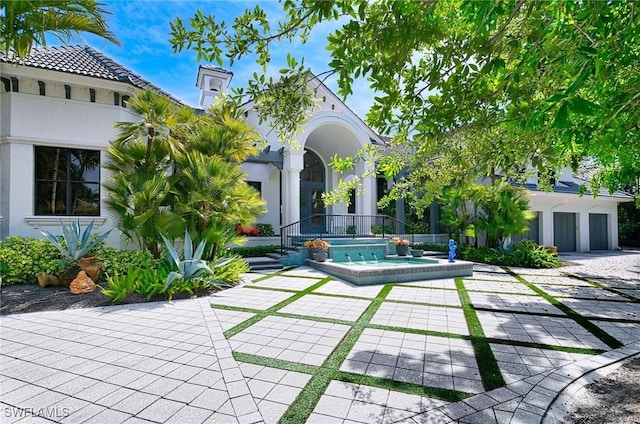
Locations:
{"points": [[298, 346]]}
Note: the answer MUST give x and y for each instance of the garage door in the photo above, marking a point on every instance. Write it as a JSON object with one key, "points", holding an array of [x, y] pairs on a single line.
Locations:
{"points": [[598, 233], [564, 231], [533, 232]]}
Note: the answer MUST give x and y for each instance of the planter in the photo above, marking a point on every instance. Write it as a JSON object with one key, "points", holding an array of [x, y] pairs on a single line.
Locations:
{"points": [[47, 280], [90, 266], [319, 256], [402, 250], [417, 253]]}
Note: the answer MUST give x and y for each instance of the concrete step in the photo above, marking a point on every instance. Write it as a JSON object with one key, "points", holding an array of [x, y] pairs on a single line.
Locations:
{"points": [[263, 263]]}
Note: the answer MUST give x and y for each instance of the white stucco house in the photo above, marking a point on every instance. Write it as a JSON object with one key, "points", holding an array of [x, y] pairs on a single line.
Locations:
{"points": [[59, 107]]}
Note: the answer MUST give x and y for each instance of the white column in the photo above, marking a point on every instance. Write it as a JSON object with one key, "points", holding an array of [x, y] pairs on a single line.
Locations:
{"points": [[612, 230], [293, 164], [365, 203], [582, 231], [546, 227]]}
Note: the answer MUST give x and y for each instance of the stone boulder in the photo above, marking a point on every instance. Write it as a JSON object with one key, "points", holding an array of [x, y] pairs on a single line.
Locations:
{"points": [[82, 284]]}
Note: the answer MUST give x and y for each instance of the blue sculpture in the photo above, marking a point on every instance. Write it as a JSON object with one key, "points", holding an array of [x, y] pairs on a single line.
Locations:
{"points": [[452, 250]]}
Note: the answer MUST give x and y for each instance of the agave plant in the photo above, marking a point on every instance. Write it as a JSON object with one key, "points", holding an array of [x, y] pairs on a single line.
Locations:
{"points": [[192, 266], [76, 243]]}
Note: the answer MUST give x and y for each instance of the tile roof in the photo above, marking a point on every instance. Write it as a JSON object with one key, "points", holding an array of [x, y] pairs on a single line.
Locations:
{"points": [[570, 187], [84, 60], [216, 68]]}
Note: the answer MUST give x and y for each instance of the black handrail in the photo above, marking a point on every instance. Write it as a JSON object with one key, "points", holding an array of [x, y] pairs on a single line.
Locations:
{"points": [[323, 226]]}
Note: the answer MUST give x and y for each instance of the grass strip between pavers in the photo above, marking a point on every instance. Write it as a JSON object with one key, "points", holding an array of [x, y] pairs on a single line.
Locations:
{"points": [[305, 403], [605, 337], [487, 363], [307, 400], [349, 377], [631, 299], [273, 274], [269, 311]]}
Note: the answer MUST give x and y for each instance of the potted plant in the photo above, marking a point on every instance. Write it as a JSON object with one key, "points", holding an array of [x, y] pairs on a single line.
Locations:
{"points": [[402, 246], [76, 246], [417, 253], [317, 249]]}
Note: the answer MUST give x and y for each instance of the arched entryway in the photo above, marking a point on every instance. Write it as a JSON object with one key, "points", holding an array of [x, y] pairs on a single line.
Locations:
{"points": [[312, 186]]}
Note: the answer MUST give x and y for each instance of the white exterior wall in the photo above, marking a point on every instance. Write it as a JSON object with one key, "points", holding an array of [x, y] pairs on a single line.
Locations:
{"points": [[269, 177], [29, 119], [548, 203]]}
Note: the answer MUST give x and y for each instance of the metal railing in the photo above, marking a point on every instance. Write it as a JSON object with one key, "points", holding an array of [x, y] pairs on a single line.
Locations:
{"points": [[341, 226]]}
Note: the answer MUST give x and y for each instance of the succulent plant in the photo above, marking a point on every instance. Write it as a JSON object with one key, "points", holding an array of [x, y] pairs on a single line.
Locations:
{"points": [[192, 266], [77, 244]]}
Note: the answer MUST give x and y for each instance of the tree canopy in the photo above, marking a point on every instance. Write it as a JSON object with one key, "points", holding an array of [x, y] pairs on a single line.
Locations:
{"points": [[24, 23], [467, 87]]}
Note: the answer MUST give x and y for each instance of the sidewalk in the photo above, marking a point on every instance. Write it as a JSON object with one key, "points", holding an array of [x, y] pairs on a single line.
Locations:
{"points": [[296, 346]]}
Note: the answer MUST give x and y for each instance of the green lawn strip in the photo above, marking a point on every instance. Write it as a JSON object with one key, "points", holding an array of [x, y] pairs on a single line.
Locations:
{"points": [[274, 274], [587, 351], [401, 386], [269, 311], [409, 302], [511, 311], [568, 349], [275, 363], [419, 331], [313, 318], [306, 401], [278, 289], [235, 308], [609, 340], [344, 296], [422, 287], [487, 363], [613, 290]]}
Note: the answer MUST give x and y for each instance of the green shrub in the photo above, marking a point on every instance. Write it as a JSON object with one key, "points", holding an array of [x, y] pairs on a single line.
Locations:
{"points": [[526, 254], [529, 254], [253, 252], [629, 234], [121, 261], [23, 257], [190, 287], [435, 247], [229, 273], [150, 282], [351, 229], [265, 230], [381, 229], [120, 286], [418, 227]]}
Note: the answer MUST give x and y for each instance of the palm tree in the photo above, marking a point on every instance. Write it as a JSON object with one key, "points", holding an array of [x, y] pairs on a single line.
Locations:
{"points": [[138, 196], [212, 197], [505, 212], [27, 22], [160, 120]]}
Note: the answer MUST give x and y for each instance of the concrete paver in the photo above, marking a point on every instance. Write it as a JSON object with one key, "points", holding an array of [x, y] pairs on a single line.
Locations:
{"points": [[406, 360]]}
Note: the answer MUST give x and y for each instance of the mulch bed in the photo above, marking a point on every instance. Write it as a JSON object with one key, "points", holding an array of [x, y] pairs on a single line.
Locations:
{"points": [[21, 298]]}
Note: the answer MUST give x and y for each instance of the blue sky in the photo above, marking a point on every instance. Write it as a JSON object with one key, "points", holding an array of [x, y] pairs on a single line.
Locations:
{"points": [[143, 30]]}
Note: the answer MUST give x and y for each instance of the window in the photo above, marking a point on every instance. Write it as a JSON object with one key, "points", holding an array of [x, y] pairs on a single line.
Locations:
{"points": [[41, 88], [67, 181], [352, 201], [257, 185], [67, 91], [92, 95]]}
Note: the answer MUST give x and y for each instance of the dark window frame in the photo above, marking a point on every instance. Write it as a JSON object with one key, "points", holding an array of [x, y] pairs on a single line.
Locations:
{"points": [[66, 180], [257, 185]]}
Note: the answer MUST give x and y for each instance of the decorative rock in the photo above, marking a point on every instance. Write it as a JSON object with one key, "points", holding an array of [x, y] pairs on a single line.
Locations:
{"points": [[82, 284]]}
